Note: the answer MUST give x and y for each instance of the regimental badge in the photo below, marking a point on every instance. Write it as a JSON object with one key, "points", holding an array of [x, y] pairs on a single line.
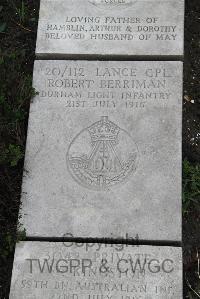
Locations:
{"points": [[102, 156]]}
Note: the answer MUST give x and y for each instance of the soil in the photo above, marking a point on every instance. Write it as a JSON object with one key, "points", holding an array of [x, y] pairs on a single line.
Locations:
{"points": [[191, 141]]}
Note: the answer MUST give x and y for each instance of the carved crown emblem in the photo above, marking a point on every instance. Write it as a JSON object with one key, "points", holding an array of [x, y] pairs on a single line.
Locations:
{"points": [[104, 130]]}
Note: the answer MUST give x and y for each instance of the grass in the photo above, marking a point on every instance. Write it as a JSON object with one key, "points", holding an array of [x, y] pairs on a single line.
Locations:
{"points": [[194, 293], [18, 25], [14, 103], [191, 185]]}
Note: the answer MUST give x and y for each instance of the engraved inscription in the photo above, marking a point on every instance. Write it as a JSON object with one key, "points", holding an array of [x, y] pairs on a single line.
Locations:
{"points": [[96, 271], [111, 27], [107, 87], [96, 157], [112, 3]]}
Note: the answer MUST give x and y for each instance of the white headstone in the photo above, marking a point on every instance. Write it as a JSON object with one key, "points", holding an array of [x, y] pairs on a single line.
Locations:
{"points": [[95, 271], [103, 155], [111, 27]]}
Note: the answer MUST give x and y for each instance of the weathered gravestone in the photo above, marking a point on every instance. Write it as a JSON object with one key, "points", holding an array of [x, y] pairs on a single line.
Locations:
{"points": [[95, 271], [103, 156], [111, 27]]}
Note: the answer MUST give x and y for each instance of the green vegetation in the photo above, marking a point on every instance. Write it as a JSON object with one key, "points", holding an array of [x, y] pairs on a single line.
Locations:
{"points": [[191, 185], [9, 243], [21, 11], [195, 292], [3, 25], [18, 25], [15, 93]]}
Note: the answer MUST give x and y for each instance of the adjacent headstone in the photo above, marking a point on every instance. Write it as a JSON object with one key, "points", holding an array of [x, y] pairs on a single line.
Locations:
{"points": [[111, 27], [103, 156], [95, 271]]}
